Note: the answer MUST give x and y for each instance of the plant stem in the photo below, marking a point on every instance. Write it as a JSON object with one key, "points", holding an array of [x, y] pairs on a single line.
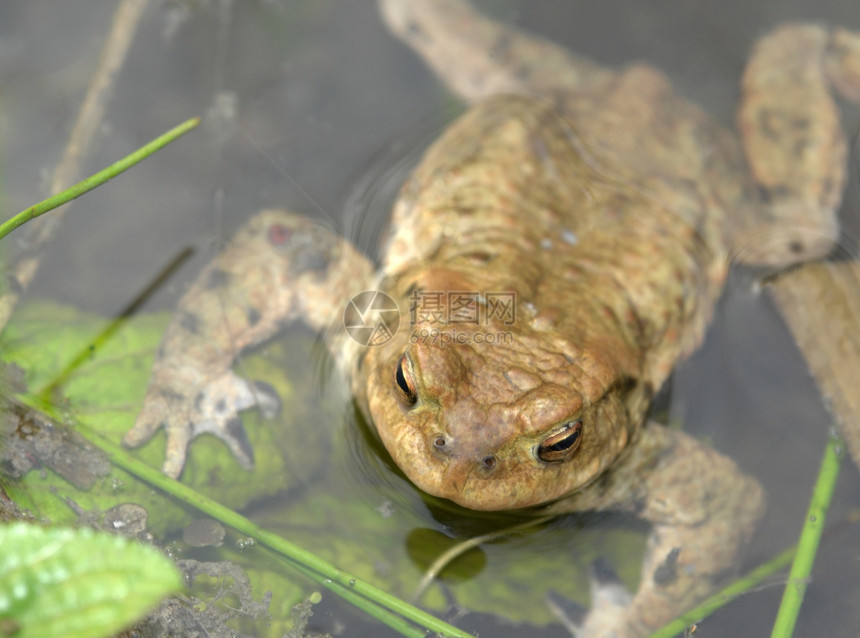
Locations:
{"points": [[21, 270], [98, 179], [453, 553], [115, 324], [807, 546], [725, 595], [399, 624], [326, 574], [803, 554]]}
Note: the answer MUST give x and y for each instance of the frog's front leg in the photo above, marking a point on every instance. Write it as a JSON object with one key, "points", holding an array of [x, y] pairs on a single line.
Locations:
{"points": [[279, 267], [703, 509], [795, 145]]}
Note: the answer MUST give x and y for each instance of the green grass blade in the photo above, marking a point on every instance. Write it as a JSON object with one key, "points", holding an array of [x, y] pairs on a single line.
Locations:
{"points": [[798, 577], [399, 624], [803, 555], [358, 591], [725, 595], [98, 179]]}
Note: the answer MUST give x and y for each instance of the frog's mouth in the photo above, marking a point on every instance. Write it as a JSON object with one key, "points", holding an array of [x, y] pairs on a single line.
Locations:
{"points": [[477, 480], [493, 468]]}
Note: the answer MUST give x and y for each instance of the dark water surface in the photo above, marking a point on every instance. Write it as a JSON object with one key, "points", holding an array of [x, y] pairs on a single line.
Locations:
{"points": [[318, 103]]}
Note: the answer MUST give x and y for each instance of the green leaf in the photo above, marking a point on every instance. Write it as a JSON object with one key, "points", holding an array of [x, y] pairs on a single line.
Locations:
{"points": [[77, 582], [318, 482], [107, 390]]}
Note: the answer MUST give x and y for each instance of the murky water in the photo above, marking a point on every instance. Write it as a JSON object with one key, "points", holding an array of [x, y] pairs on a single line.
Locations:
{"points": [[313, 106]]}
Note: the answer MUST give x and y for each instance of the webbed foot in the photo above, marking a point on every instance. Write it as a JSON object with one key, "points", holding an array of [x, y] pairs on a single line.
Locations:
{"points": [[214, 409]]}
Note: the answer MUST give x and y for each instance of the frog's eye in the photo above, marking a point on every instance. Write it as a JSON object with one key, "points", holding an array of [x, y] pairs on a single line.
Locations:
{"points": [[405, 382], [561, 445]]}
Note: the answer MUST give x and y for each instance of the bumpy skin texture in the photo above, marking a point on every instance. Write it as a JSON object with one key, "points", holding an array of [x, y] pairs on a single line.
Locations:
{"points": [[611, 209], [604, 307]]}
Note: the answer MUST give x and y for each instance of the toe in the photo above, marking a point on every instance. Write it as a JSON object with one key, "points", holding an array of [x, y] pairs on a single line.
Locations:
{"points": [[236, 438], [267, 399], [178, 438], [148, 422], [607, 590], [569, 613]]}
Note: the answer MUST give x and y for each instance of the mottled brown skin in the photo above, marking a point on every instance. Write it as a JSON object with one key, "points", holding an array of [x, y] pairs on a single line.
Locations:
{"points": [[611, 208], [591, 343]]}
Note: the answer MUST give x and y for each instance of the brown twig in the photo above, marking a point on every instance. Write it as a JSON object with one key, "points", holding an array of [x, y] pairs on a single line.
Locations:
{"points": [[37, 233], [820, 302]]}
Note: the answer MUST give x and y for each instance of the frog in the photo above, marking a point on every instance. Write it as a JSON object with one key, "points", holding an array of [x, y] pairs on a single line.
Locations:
{"points": [[553, 256]]}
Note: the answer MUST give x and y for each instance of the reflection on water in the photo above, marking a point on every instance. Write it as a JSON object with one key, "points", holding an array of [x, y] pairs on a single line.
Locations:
{"points": [[377, 183]]}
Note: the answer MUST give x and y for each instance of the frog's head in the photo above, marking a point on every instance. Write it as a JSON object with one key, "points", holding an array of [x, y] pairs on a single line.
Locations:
{"points": [[498, 423]]}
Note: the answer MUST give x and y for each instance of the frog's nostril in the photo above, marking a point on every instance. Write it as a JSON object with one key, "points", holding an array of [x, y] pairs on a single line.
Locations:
{"points": [[488, 462], [440, 442]]}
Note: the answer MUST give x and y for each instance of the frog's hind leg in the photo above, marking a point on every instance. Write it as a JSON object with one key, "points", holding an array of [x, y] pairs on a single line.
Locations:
{"points": [[703, 510], [478, 57], [795, 145]]}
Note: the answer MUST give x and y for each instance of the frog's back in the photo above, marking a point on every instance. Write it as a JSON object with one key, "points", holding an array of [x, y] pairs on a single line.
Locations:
{"points": [[631, 120], [513, 198]]}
